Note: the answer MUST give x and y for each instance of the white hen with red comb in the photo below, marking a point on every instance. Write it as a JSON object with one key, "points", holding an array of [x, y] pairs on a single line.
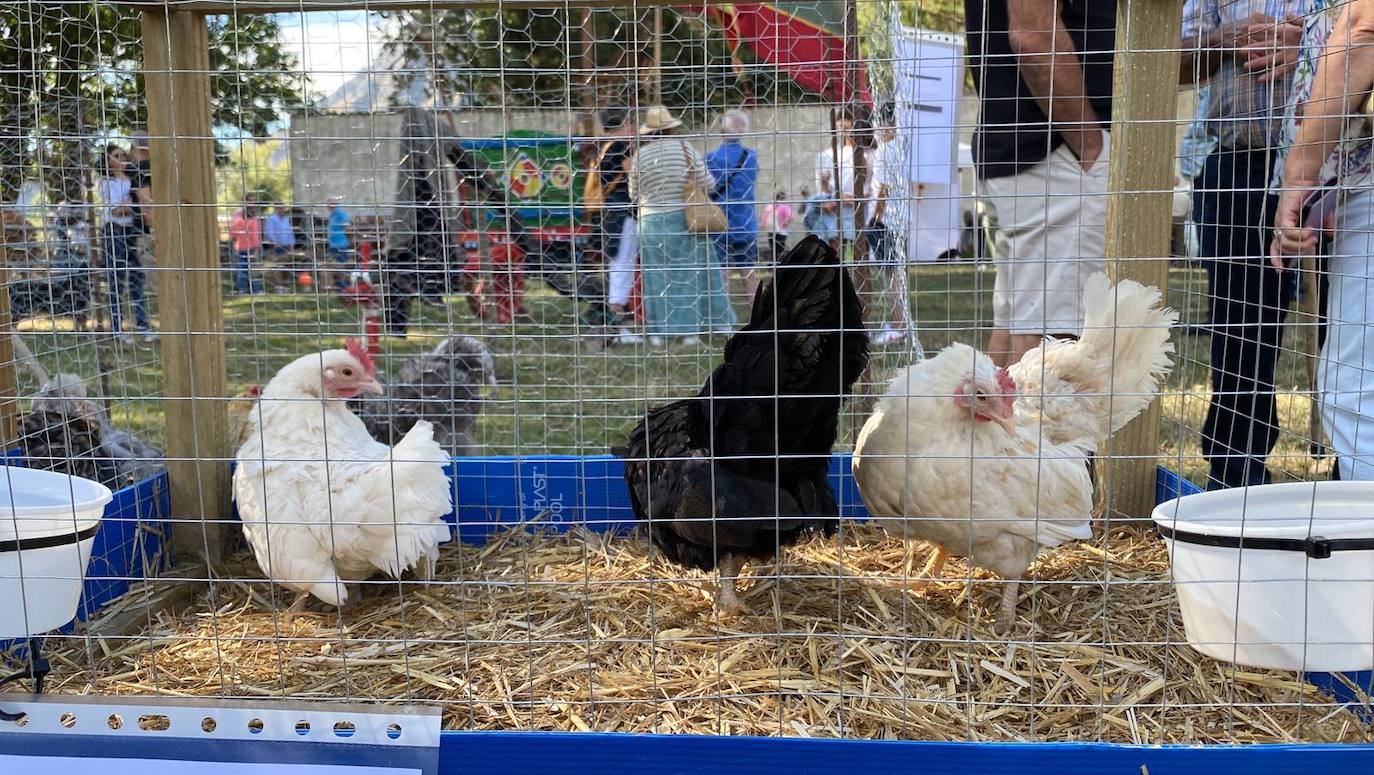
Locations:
{"points": [[991, 464], [322, 502]]}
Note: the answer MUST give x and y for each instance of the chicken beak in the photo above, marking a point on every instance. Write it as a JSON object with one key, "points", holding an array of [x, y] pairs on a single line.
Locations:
{"points": [[1008, 422], [372, 386]]}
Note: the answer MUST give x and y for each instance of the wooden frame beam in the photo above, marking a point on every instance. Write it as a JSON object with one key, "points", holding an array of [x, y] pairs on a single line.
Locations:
{"points": [[1139, 208], [177, 73], [309, 6]]}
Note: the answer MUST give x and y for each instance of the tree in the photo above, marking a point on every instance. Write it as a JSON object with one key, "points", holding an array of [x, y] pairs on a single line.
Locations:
{"points": [[250, 174], [71, 73], [532, 57]]}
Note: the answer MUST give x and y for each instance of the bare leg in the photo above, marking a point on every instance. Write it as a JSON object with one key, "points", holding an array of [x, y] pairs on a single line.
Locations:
{"points": [[727, 601], [999, 346], [1006, 613]]}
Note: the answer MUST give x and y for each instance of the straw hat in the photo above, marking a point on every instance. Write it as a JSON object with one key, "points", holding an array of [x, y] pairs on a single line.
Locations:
{"points": [[657, 119]]}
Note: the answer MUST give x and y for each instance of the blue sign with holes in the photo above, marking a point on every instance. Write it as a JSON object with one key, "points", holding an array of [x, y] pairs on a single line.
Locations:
{"points": [[127, 735]]}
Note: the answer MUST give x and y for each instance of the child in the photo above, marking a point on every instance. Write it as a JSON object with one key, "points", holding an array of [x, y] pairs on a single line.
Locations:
{"points": [[777, 221]]}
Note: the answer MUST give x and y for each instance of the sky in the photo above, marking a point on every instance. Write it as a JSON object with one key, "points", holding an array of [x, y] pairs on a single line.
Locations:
{"points": [[330, 46]]}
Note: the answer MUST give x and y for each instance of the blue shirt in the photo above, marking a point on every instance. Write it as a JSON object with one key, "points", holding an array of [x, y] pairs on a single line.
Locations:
{"points": [[734, 190], [338, 235], [277, 231]]}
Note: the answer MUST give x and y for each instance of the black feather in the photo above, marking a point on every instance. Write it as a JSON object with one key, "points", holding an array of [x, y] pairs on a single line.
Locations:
{"points": [[742, 468]]}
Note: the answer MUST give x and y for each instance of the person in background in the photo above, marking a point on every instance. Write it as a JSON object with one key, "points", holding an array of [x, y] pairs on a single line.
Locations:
{"points": [[141, 179], [1329, 143], [889, 210], [279, 237], [831, 209], [618, 226], [339, 239], [1245, 50], [777, 222], [736, 171], [245, 237], [1043, 70], [118, 233], [684, 287]]}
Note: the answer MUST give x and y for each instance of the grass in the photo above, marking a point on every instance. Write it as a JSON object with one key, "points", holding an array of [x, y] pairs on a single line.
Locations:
{"points": [[560, 393]]}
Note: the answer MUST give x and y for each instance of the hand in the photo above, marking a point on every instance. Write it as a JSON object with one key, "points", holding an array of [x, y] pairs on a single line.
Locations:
{"points": [[1086, 144], [1270, 47], [1291, 236], [830, 206]]}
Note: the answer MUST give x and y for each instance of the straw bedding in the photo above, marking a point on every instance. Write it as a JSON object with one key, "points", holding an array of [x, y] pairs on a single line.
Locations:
{"points": [[583, 631]]}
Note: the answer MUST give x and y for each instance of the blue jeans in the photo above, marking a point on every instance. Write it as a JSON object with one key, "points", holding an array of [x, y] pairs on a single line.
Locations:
{"points": [[243, 279], [126, 276]]}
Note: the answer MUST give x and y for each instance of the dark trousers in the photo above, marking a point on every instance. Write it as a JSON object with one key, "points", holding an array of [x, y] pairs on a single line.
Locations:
{"points": [[1247, 303], [126, 276]]}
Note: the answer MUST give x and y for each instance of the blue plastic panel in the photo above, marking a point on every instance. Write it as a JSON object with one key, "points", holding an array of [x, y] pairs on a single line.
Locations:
{"points": [[540, 753]]}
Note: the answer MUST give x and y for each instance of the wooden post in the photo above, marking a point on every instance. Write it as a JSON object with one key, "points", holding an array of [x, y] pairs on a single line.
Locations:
{"points": [[588, 57], [9, 368], [177, 73], [1139, 203], [658, 55]]}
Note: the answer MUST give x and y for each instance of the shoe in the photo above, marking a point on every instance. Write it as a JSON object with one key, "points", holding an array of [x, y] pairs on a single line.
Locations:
{"points": [[627, 338], [149, 336], [889, 336], [123, 338], [690, 341], [655, 341]]}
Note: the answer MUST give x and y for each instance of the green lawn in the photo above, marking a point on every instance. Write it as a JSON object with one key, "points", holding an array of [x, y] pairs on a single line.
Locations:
{"points": [[561, 393]]}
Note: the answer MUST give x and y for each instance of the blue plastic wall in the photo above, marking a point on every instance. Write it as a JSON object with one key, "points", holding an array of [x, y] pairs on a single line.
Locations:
{"points": [[557, 492]]}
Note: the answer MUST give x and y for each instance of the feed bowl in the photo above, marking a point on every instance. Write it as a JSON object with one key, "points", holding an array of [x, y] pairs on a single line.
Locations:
{"points": [[1277, 576], [48, 523]]}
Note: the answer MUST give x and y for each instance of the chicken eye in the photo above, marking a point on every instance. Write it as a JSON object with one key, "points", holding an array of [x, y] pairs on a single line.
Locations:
{"points": [[348, 372]]}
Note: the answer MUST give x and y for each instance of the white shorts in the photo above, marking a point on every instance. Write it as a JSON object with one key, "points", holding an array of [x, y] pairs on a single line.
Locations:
{"points": [[1051, 235], [622, 265]]}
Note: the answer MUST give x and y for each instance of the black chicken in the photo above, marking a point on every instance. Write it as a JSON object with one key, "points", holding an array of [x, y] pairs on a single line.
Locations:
{"points": [[741, 470], [443, 386]]}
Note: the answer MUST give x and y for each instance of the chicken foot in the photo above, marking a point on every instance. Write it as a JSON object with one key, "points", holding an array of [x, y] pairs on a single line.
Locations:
{"points": [[935, 565], [727, 597]]}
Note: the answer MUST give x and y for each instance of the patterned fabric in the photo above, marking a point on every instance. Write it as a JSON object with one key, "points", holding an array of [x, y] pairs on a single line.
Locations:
{"points": [[1242, 112], [684, 287], [1350, 164], [1197, 144]]}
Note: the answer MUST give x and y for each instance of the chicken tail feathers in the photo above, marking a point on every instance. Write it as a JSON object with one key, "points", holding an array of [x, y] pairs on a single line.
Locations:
{"points": [[1128, 327]]}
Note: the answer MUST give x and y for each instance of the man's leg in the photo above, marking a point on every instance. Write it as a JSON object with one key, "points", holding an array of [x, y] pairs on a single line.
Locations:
{"points": [[1246, 308]]}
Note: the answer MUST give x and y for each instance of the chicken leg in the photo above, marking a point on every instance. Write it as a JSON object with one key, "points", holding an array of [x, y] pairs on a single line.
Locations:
{"points": [[1006, 612], [727, 599]]}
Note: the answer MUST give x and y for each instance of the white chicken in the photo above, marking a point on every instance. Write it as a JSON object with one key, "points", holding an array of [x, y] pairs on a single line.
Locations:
{"points": [[975, 460], [322, 502]]}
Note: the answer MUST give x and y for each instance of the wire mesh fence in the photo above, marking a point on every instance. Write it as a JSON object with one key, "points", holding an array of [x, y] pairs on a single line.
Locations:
{"points": [[506, 415]]}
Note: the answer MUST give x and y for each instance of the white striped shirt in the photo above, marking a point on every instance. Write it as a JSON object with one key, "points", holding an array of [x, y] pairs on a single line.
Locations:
{"points": [[658, 175]]}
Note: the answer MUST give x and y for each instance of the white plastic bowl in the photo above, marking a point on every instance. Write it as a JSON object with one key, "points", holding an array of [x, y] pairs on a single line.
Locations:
{"points": [[48, 523], [1301, 607]]}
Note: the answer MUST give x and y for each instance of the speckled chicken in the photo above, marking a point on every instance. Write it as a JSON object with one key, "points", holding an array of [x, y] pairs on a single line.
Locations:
{"points": [[66, 431], [443, 386]]}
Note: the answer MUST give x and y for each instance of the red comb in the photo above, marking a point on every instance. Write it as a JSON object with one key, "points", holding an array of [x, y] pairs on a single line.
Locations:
{"points": [[1005, 382], [255, 390], [356, 349]]}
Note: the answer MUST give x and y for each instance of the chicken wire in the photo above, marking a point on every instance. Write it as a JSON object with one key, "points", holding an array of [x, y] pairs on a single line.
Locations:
{"points": [[491, 316]]}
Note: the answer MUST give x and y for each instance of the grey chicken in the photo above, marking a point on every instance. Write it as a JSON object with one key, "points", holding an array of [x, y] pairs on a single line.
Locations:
{"points": [[443, 386], [65, 431]]}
